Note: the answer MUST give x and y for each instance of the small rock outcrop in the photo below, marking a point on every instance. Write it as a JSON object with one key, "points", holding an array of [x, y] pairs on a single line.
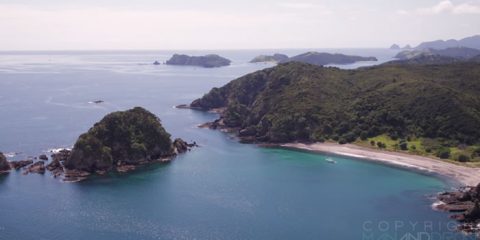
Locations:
{"points": [[207, 61], [38, 167], [4, 165], [20, 164], [181, 146], [43, 157], [56, 165], [156, 63], [465, 204]]}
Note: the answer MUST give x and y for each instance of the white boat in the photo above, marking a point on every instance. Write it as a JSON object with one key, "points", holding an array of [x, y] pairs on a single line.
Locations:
{"points": [[329, 160]]}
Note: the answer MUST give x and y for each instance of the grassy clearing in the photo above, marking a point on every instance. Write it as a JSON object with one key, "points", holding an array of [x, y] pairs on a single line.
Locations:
{"points": [[425, 147]]}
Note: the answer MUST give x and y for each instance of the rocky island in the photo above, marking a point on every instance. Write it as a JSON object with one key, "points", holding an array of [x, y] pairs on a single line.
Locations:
{"points": [[207, 61], [120, 142], [275, 58], [321, 59]]}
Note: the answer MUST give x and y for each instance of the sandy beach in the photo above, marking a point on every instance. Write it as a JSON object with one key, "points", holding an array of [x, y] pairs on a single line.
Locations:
{"points": [[464, 175]]}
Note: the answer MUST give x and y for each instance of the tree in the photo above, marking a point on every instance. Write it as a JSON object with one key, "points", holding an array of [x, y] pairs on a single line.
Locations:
{"points": [[463, 158], [443, 153]]}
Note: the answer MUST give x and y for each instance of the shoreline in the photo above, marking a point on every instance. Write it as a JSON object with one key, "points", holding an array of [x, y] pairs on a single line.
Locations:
{"points": [[467, 176]]}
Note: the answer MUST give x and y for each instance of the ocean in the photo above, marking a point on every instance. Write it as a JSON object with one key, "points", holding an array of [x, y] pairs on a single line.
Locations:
{"points": [[221, 190]]}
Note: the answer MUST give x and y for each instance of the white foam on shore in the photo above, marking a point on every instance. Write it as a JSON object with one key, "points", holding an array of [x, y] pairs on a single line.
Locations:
{"points": [[10, 154], [57, 150], [436, 204]]}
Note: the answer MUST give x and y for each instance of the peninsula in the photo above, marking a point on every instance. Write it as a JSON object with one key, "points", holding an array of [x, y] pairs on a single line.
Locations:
{"points": [[418, 109]]}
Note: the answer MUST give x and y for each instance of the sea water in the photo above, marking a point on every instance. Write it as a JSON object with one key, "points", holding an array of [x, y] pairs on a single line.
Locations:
{"points": [[221, 190]]}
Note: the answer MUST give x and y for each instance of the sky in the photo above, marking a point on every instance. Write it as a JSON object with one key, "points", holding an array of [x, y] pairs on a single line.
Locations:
{"points": [[225, 24]]}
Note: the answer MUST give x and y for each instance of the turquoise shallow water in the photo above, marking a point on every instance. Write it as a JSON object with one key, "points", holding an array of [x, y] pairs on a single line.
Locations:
{"points": [[222, 190]]}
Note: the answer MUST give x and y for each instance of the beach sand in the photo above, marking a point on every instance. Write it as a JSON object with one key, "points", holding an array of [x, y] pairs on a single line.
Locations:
{"points": [[464, 175]]}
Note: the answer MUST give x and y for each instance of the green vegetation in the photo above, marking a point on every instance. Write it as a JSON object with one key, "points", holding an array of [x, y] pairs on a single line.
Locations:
{"points": [[121, 137], [207, 61], [317, 58], [417, 108], [425, 147]]}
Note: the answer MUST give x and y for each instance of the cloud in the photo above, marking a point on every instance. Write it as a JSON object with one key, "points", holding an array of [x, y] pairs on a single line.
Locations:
{"points": [[321, 9], [445, 7], [88, 27]]}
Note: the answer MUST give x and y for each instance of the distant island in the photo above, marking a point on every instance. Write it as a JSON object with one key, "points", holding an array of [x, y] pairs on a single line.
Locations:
{"points": [[397, 47], [207, 61], [321, 59], [315, 58], [468, 42], [275, 58], [460, 53], [418, 109]]}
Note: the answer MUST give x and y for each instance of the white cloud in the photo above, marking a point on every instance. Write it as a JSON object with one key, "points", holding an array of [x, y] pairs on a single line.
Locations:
{"points": [[318, 8], [88, 27], [446, 7]]}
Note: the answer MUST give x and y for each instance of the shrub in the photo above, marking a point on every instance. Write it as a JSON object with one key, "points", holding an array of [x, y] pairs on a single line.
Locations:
{"points": [[372, 143], [443, 153], [363, 135], [463, 158]]}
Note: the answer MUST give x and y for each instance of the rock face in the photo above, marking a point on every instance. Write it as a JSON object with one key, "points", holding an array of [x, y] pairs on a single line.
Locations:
{"points": [[4, 165], [124, 138], [321, 59], [20, 164], [208, 61], [465, 203], [275, 58], [56, 165], [38, 167]]}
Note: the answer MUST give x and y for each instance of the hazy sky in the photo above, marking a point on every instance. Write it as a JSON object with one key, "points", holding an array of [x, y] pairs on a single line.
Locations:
{"points": [[225, 24]]}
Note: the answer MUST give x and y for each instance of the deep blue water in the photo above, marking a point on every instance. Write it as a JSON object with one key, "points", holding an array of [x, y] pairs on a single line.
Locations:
{"points": [[222, 190]]}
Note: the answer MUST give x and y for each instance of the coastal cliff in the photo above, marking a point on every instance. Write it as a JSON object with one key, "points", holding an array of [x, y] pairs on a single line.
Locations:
{"points": [[207, 61]]}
